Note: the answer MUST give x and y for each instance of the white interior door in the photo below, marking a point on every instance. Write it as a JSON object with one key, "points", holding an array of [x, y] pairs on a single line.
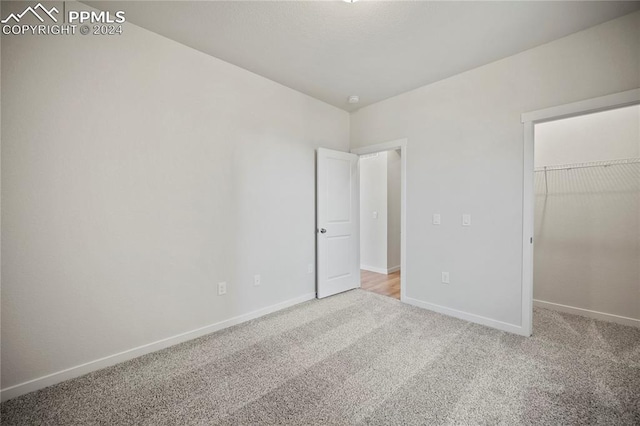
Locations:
{"points": [[338, 222]]}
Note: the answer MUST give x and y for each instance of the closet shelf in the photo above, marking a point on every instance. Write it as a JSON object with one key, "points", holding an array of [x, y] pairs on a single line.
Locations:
{"points": [[608, 163], [600, 177]]}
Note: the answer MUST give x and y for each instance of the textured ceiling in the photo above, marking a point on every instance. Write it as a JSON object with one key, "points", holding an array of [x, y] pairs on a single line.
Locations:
{"points": [[330, 50]]}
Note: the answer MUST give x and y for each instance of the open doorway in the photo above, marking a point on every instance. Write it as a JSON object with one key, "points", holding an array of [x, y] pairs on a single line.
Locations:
{"points": [[389, 276], [338, 247], [380, 223], [533, 186], [587, 215]]}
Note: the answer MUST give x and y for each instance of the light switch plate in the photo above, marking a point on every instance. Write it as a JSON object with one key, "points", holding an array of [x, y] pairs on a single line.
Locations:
{"points": [[436, 219], [445, 278], [375, 215], [466, 219], [256, 280]]}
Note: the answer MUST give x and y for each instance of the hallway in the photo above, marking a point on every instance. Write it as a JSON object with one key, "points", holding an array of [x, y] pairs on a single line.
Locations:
{"points": [[386, 285]]}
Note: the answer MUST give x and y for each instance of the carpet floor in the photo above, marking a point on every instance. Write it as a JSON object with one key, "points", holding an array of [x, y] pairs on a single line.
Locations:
{"points": [[361, 358]]}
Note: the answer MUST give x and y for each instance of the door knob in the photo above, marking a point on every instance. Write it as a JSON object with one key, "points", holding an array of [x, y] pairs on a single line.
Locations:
{"points": [[322, 230]]}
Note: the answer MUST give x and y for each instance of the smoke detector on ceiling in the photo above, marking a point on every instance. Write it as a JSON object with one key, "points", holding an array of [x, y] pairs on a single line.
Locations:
{"points": [[353, 99]]}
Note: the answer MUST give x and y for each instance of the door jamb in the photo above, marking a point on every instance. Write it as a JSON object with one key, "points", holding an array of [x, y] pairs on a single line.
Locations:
{"points": [[529, 120], [400, 144]]}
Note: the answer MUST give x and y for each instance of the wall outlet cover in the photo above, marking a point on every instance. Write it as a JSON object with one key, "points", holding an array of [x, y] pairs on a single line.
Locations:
{"points": [[222, 288]]}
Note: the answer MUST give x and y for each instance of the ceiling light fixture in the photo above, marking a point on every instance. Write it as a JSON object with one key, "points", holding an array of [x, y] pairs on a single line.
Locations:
{"points": [[353, 99], [349, 1]]}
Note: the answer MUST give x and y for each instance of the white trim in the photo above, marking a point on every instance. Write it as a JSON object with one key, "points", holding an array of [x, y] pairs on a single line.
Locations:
{"points": [[400, 144], [82, 369], [529, 119], [588, 106], [380, 270], [511, 328], [373, 269], [393, 269], [528, 212], [381, 147], [602, 316]]}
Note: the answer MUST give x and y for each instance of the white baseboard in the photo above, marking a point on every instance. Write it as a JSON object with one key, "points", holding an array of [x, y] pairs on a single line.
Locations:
{"points": [[587, 313], [393, 269], [503, 326], [380, 270], [80, 370], [373, 269]]}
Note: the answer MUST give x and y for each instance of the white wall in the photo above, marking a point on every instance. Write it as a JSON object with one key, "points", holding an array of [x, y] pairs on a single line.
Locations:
{"points": [[587, 228], [607, 135], [394, 167], [465, 155], [373, 199], [137, 173]]}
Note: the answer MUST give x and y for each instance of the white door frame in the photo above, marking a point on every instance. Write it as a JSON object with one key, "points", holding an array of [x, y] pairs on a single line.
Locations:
{"points": [[529, 120], [400, 144]]}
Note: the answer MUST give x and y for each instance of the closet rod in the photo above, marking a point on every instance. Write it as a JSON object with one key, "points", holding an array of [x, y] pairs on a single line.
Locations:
{"points": [[589, 165]]}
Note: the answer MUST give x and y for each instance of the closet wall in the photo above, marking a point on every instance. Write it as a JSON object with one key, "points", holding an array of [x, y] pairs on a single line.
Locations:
{"points": [[587, 230]]}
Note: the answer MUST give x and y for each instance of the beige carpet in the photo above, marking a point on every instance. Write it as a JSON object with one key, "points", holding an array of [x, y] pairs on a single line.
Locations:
{"points": [[360, 358]]}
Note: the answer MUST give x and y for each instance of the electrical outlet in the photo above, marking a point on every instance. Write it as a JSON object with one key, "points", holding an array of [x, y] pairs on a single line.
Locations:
{"points": [[310, 268], [256, 280], [466, 219], [445, 278], [222, 288], [436, 219]]}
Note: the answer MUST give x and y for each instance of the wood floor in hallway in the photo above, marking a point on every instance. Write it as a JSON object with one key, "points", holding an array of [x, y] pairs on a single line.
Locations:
{"points": [[386, 285]]}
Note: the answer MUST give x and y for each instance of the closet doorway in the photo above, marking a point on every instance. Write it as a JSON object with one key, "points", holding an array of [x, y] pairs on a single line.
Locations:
{"points": [[587, 214], [582, 214]]}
